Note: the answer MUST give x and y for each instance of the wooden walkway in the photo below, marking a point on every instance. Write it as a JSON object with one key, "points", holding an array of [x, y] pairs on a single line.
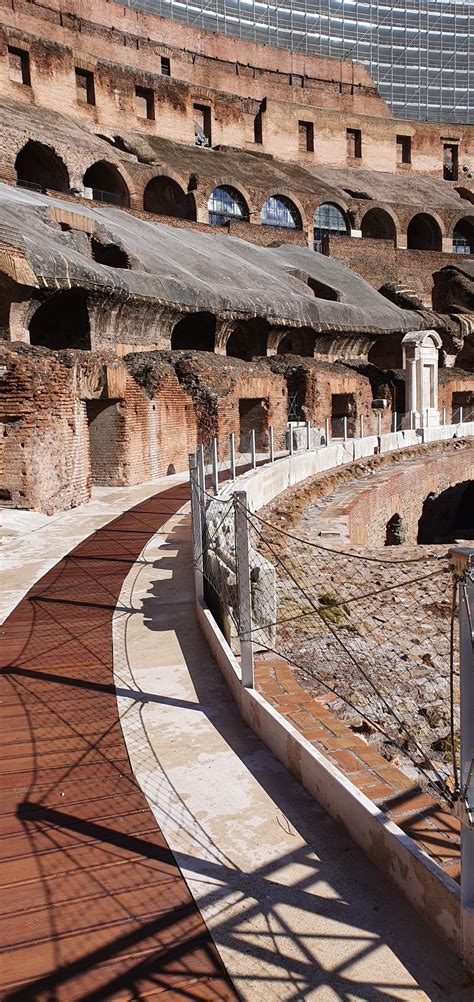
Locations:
{"points": [[92, 904]]}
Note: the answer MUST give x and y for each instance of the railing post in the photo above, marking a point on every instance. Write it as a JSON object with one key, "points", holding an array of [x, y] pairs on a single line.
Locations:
{"points": [[379, 423], [290, 439], [344, 429], [215, 470], [308, 435], [326, 430], [394, 421], [460, 415], [242, 550], [461, 559], [196, 526], [270, 444], [361, 425], [201, 477], [232, 455], [252, 449]]}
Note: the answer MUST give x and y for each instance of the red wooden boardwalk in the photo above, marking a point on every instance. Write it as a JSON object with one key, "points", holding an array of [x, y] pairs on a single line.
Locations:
{"points": [[92, 904]]}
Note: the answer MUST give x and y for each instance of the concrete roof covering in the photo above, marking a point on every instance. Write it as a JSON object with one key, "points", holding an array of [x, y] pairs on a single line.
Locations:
{"points": [[190, 269]]}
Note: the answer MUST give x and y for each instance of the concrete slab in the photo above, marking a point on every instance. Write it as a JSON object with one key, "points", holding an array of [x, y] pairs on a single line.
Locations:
{"points": [[295, 909]]}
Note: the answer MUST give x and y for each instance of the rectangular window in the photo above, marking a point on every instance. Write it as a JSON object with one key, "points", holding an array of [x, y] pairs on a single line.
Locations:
{"points": [[19, 65], [85, 91], [306, 136], [258, 128], [354, 143], [403, 149], [144, 102], [450, 162], [165, 66], [202, 125]]}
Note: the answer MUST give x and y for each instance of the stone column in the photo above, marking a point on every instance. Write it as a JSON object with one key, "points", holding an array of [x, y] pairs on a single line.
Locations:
{"points": [[420, 359]]}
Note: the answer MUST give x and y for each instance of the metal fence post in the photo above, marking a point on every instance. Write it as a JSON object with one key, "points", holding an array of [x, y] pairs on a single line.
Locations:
{"points": [[196, 525], [215, 470], [308, 435], [270, 444], [326, 430], [461, 559], [290, 439], [344, 427], [379, 423], [242, 550], [232, 455], [395, 420], [201, 477], [252, 449], [460, 415]]}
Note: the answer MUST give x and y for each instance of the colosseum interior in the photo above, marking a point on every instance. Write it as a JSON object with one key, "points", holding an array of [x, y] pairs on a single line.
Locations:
{"points": [[234, 252]]}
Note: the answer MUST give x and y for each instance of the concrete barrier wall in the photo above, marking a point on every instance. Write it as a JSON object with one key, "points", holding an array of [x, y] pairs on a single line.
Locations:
{"points": [[434, 894]]}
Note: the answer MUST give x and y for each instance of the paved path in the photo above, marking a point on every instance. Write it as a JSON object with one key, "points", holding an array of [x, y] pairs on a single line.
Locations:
{"points": [[92, 904], [296, 910]]}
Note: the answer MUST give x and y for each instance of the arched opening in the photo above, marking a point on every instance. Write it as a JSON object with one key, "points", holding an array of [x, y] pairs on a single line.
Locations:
{"points": [[386, 352], [249, 339], [196, 331], [109, 254], [395, 531], [62, 321], [278, 210], [378, 225], [164, 197], [225, 204], [448, 516], [424, 233], [297, 342], [463, 236], [329, 220], [107, 184], [39, 167]]}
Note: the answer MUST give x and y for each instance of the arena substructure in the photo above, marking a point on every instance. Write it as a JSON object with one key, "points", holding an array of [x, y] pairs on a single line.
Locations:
{"points": [[224, 253]]}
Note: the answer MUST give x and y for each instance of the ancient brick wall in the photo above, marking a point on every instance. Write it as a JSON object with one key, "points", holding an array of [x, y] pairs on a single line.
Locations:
{"points": [[380, 262]]}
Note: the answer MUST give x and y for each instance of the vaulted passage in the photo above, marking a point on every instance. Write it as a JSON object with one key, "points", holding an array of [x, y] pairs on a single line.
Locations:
{"points": [[424, 233], [449, 515], [196, 331], [249, 340], [39, 166], [164, 197], [62, 321], [107, 184], [378, 225], [297, 342]]}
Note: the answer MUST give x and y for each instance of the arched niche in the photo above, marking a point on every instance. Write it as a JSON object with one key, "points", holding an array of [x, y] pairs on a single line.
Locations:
{"points": [[424, 233], [196, 331], [39, 166], [163, 196], [107, 184], [62, 321], [377, 224]]}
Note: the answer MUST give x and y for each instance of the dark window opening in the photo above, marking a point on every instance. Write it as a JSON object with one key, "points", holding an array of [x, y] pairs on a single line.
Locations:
{"points": [[103, 418], [403, 149], [450, 162], [196, 331], [144, 102], [253, 416], [448, 516], [39, 167], [258, 128], [19, 66], [377, 224], [109, 254], [329, 220], [202, 125], [85, 89], [106, 183], [354, 143], [62, 321], [343, 405], [249, 339], [164, 197], [395, 531], [323, 291], [423, 233], [165, 66], [306, 136]]}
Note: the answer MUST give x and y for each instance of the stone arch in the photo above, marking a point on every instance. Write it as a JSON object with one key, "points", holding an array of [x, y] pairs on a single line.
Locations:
{"points": [[463, 235], [380, 224], [248, 339], [39, 166], [227, 203], [283, 210], [229, 182], [395, 531], [62, 321], [425, 232], [330, 218], [107, 183], [194, 331], [164, 196]]}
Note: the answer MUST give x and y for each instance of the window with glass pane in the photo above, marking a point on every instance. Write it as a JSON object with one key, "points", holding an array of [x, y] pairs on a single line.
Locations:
{"points": [[328, 219], [280, 211], [226, 203]]}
